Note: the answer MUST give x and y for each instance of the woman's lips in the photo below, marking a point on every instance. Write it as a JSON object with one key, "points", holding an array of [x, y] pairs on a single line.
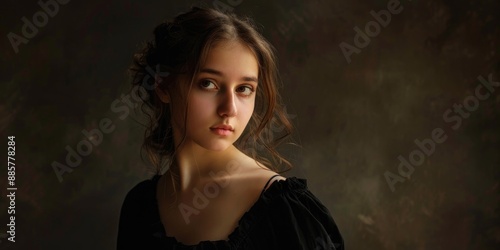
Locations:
{"points": [[221, 131]]}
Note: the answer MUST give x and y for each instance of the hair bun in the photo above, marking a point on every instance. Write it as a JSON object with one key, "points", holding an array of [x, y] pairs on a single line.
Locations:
{"points": [[161, 32], [168, 32]]}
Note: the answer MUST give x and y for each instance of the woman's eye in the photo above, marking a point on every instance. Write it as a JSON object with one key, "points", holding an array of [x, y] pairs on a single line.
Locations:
{"points": [[206, 83], [246, 90]]}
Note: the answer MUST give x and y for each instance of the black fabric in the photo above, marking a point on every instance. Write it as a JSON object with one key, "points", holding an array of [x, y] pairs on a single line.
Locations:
{"points": [[286, 216]]}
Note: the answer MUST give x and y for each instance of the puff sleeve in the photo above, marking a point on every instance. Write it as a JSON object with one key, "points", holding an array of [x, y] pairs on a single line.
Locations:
{"points": [[136, 217], [296, 219]]}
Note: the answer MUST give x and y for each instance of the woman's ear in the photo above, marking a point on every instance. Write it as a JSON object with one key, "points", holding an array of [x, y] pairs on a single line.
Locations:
{"points": [[162, 94]]}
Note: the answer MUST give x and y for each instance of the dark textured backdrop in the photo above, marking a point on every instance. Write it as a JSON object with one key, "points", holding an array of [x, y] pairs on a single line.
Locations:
{"points": [[353, 119]]}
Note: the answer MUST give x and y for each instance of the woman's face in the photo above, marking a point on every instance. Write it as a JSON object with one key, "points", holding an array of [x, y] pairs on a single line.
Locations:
{"points": [[223, 93]]}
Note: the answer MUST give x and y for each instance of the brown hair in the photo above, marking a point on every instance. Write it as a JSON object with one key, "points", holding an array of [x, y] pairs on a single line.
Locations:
{"points": [[180, 47]]}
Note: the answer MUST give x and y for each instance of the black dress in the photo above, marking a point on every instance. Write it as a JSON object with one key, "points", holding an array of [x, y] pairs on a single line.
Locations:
{"points": [[286, 216]]}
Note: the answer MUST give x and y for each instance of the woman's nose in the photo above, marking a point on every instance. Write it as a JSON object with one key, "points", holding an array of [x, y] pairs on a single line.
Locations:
{"points": [[227, 105]]}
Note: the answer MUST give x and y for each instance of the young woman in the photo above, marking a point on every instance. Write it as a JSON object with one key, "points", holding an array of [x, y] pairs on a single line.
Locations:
{"points": [[211, 104]]}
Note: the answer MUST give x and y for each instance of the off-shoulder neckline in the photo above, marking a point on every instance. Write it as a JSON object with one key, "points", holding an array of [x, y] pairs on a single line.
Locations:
{"points": [[246, 221]]}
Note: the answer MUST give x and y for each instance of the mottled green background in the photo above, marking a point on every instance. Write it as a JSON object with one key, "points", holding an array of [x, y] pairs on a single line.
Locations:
{"points": [[353, 119]]}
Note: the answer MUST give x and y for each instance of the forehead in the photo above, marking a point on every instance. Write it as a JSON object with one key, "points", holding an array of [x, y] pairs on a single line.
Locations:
{"points": [[231, 57]]}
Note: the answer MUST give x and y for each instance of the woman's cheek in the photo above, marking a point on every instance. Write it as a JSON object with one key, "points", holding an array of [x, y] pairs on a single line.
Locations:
{"points": [[202, 105], [247, 107]]}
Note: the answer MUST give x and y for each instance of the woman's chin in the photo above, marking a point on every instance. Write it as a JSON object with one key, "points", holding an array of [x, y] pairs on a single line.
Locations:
{"points": [[217, 146]]}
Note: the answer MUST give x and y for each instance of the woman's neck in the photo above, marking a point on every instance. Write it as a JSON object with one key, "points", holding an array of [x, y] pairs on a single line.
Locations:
{"points": [[194, 165]]}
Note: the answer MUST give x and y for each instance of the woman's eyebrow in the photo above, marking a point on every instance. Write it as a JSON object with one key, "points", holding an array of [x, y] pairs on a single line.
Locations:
{"points": [[216, 72]]}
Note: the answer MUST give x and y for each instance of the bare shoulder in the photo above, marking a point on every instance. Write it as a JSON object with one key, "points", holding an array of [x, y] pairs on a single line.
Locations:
{"points": [[257, 175]]}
